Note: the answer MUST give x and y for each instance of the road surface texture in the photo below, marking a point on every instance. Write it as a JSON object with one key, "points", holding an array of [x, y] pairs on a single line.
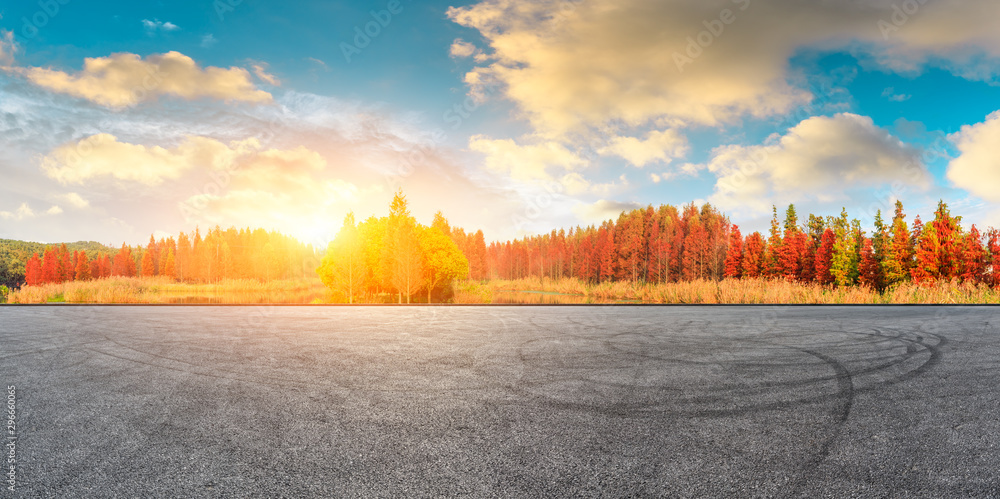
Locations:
{"points": [[504, 401]]}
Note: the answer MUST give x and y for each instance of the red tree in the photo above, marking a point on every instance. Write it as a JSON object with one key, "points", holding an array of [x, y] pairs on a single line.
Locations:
{"points": [[993, 258], [790, 254], [33, 271], [753, 256], [123, 264], [605, 252], [926, 270], [148, 265], [973, 258], [869, 268], [734, 255], [807, 262], [82, 272], [68, 263], [50, 266], [949, 241], [824, 257]]}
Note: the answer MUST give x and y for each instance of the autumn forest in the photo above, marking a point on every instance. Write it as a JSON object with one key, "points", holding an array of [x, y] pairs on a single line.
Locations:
{"points": [[396, 259]]}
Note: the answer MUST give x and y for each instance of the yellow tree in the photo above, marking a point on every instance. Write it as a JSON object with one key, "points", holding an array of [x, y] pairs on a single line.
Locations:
{"points": [[373, 234], [148, 267], [443, 262], [343, 267], [403, 249], [169, 265]]}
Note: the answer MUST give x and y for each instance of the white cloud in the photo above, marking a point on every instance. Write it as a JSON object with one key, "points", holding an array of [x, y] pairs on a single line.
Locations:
{"points": [[260, 70], [207, 41], [124, 79], [25, 212], [977, 168], [662, 146], [462, 48], [571, 67], [890, 93], [574, 183], [525, 163], [818, 159], [22, 212], [102, 155], [155, 26], [602, 210], [318, 62], [75, 200], [7, 48]]}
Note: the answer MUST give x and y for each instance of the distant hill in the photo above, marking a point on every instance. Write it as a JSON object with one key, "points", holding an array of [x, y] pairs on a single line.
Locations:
{"points": [[14, 254]]}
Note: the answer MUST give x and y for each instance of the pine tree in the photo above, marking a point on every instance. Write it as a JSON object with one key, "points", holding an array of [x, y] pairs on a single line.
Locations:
{"points": [[344, 268], [973, 258], [792, 246], [148, 266], [949, 239], [403, 249], [753, 256], [824, 257], [50, 266], [869, 270], [993, 258], [477, 257], [169, 265], [604, 252], [67, 269], [695, 246], [734, 255], [772, 263], [896, 261], [82, 267], [629, 239], [926, 270], [846, 251], [123, 264], [33, 271]]}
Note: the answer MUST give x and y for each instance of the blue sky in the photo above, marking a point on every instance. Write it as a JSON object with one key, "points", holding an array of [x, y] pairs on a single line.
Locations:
{"points": [[507, 115]]}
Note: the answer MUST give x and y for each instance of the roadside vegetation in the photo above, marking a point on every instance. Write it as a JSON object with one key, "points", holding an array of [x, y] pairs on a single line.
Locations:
{"points": [[727, 291], [649, 255], [166, 290]]}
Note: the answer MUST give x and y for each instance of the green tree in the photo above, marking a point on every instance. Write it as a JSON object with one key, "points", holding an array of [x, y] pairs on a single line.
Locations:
{"points": [[844, 266], [897, 254]]}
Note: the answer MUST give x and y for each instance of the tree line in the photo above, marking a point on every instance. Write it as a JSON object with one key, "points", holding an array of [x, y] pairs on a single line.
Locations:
{"points": [[836, 251], [655, 245], [396, 255], [221, 254], [14, 256], [667, 244]]}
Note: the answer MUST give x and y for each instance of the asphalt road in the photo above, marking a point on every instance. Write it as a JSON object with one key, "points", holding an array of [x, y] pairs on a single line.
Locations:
{"points": [[503, 401]]}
